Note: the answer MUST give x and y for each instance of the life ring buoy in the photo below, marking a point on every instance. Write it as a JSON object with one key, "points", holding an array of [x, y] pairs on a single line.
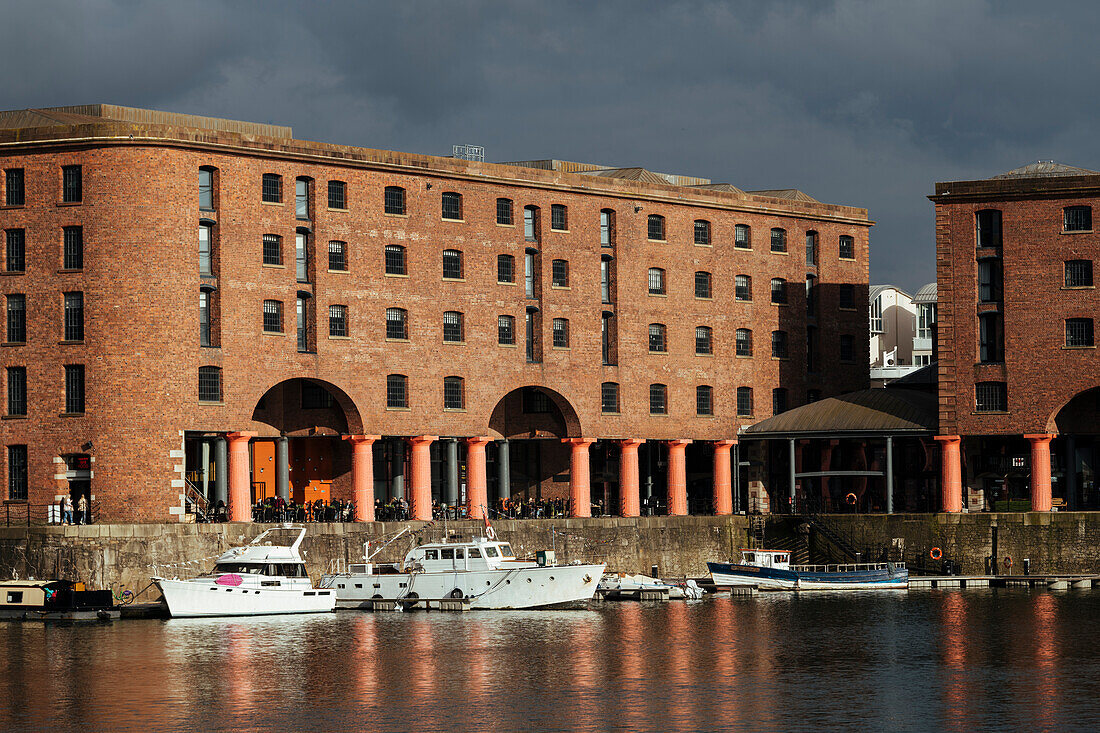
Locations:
{"points": [[1008, 561], [851, 499], [936, 553]]}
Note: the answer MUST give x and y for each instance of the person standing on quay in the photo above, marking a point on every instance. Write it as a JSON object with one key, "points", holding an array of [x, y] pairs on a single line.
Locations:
{"points": [[82, 510], [66, 508]]}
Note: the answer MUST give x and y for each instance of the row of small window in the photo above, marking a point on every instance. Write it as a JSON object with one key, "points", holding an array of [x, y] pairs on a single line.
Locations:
{"points": [[988, 232], [72, 186], [72, 317], [72, 249], [17, 390], [1079, 334]]}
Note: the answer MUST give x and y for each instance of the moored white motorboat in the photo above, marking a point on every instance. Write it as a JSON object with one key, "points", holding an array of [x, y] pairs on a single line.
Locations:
{"points": [[771, 570], [624, 586], [257, 579]]}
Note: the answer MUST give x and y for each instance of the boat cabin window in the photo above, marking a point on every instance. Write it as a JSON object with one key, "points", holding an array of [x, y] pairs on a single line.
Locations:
{"points": [[506, 551], [289, 570], [490, 552], [15, 596], [474, 552], [750, 557], [240, 568], [781, 558], [447, 553], [459, 553], [431, 554]]}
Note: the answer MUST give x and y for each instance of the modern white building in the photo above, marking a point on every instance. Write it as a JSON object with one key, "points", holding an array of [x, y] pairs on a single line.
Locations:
{"points": [[901, 331]]}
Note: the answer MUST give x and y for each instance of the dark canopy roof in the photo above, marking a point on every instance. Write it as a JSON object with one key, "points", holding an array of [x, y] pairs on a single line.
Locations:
{"points": [[867, 412]]}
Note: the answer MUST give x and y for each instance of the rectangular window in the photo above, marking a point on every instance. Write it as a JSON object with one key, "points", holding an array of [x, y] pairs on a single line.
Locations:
{"points": [[605, 280], [990, 338], [779, 344], [847, 296], [452, 327], [657, 341], [301, 198], [337, 256], [742, 288], [534, 401], [1079, 273], [273, 316], [607, 339], [454, 398], [530, 223], [558, 221], [704, 400], [273, 249], [530, 332], [302, 307], [17, 472], [779, 291], [210, 384], [607, 228], [561, 333], [395, 260], [702, 232], [609, 398], [272, 188], [1078, 218], [301, 256], [847, 247], [779, 240], [991, 397], [397, 324], [506, 269], [987, 225], [394, 200], [74, 389], [17, 318], [338, 320], [72, 255], [559, 273], [742, 237], [504, 212], [506, 330], [811, 349], [397, 391], [744, 401], [779, 400], [72, 184], [529, 274], [990, 280], [206, 250], [876, 315], [204, 318], [452, 264], [811, 249], [16, 253], [206, 189], [452, 206], [74, 316], [658, 399], [702, 285], [337, 195], [656, 281], [17, 391], [14, 193], [926, 318], [703, 340], [1079, 332], [316, 397], [744, 342], [656, 227]]}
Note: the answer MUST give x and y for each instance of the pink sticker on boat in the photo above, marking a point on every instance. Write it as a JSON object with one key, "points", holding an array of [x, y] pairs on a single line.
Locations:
{"points": [[229, 579]]}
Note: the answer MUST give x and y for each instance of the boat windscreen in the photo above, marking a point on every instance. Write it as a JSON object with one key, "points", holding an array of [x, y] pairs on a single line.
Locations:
{"points": [[240, 568], [506, 551], [490, 551]]}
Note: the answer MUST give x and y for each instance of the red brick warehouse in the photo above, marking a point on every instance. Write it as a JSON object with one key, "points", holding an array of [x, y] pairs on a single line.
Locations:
{"points": [[1019, 380], [208, 307]]}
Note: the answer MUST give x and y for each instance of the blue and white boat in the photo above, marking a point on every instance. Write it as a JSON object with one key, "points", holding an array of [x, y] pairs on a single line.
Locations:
{"points": [[771, 570]]}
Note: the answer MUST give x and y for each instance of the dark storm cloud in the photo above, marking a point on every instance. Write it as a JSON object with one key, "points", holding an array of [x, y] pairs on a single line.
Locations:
{"points": [[863, 103]]}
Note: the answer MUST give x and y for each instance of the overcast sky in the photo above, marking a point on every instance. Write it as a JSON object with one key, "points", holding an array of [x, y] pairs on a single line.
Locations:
{"points": [[860, 103]]}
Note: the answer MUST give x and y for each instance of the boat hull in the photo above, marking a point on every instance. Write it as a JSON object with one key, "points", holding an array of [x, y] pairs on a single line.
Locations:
{"points": [[504, 588], [189, 599], [727, 574]]}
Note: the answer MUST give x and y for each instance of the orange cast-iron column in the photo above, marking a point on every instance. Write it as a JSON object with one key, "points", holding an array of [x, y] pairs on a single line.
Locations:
{"points": [[723, 491], [951, 466], [629, 501], [677, 478], [477, 493], [362, 475], [580, 486], [421, 477], [1040, 471], [240, 489]]}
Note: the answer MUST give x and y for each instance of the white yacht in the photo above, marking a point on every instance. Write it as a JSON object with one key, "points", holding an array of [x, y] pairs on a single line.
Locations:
{"points": [[483, 571], [258, 579]]}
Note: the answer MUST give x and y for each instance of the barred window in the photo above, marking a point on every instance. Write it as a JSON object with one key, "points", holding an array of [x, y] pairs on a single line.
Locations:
{"points": [[395, 260], [609, 398], [702, 231], [16, 252], [272, 188], [656, 227], [316, 397], [704, 400], [1077, 218], [206, 188], [74, 389], [273, 249], [779, 344], [703, 343], [847, 296], [1079, 332], [1079, 273], [702, 284], [337, 195], [561, 333], [991, 397], [74, 316], [452, 205], [779, 291], [744, 342], [17, 391], [779, 400], [397, 391], [779, 240], [206, 250], [210, 384], [534, 401], [17, 318], [394, 200], [506, 269], [987, 227], [846, 247], [811, 249], [742, 288], [452, 264], [17, 472], [658, 399], [397, 323], [657, 342], [72, 255], [742, 236], [338, 256], [337, 320], [559, 273], [656, 281], [453, 327], [72, 184], [302, 202], [847, 348], [506, 330], [558, 220], [744, 402], [273, 316], [504, 211], [454, 393], [14, 194]]}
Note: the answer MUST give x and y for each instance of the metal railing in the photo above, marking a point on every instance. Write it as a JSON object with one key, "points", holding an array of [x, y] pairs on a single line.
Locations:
{"points": [[848, 567], [17, 514]]}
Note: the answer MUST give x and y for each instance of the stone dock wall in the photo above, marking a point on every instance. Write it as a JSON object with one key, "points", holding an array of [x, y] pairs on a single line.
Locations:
{"points": [[126, 555]]}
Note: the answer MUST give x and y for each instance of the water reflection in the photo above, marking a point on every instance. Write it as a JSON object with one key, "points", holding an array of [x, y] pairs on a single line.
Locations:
{"points": [[920, 661]]}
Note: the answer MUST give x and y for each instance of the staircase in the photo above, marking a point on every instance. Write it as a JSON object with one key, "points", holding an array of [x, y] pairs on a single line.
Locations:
{"points": [[199, 504]]}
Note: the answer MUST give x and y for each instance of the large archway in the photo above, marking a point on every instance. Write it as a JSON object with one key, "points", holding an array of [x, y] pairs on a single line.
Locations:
{"points": [[304, 406], [1075, 452], [534, 412], [1079, 416]]}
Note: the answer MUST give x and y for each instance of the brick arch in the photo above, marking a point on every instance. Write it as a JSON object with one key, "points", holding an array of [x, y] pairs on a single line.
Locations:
{"points": [[1077, 415], [508, 420], [283, 411]]}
